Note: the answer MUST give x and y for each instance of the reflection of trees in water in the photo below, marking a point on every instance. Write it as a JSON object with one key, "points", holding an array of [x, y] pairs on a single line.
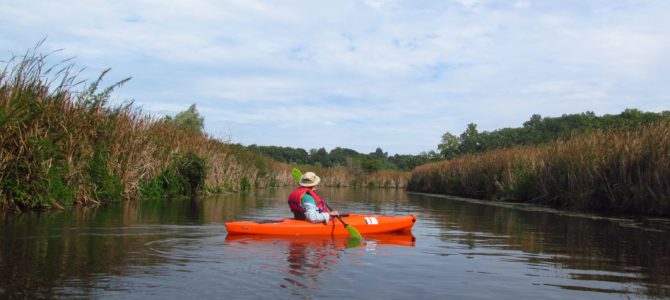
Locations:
{"points": [[60, 247], [624, 254], [42, 252]]}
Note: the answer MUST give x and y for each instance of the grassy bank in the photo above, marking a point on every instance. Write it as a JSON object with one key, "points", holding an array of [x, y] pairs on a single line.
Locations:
{"points": [[619, 171], [62, 143]]}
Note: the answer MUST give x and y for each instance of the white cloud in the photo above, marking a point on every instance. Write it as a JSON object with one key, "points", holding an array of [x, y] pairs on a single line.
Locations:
{"points": [[369, 72], [254, 89]]}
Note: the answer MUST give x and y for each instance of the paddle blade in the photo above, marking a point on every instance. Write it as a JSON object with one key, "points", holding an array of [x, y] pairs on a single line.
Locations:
{"points": [[353, 232], [296, 174], [353, 243]]}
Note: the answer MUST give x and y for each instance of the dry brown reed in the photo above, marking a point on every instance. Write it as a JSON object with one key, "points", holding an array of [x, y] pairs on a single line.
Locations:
{"points": [[615, 171], [345, 177]]}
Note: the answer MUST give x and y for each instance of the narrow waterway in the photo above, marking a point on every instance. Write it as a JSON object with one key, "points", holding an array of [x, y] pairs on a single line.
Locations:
{"points": [[458, 249]]}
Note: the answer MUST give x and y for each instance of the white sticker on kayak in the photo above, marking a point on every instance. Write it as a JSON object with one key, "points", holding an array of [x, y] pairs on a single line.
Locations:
{"points": [[371, 220]]}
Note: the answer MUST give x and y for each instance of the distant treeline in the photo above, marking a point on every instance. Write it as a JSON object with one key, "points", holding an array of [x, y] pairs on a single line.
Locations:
{"points": [[540, 130], [537, 130], [347, 158]]}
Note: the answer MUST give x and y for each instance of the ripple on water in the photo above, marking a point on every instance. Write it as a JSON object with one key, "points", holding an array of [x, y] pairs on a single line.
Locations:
{"points": [[188, 249]]}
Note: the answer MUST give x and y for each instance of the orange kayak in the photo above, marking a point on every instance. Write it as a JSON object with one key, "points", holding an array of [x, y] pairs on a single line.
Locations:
{"points": [[365, 224]]}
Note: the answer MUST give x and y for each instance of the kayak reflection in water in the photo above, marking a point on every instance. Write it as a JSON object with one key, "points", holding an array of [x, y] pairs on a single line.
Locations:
{"points": [[305, 204], [306, 259], [300, 259]]}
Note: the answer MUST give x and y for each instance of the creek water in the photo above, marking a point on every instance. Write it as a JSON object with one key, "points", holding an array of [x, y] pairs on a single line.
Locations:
{"points": [[459, 248]]}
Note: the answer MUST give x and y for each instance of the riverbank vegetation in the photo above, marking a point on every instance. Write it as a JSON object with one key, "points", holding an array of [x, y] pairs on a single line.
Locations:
{"points": [[620, 170], [63, 142], [345, 177]]}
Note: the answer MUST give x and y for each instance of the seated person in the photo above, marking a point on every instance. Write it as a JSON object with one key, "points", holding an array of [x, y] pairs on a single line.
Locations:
{"points": [[306, 204]]}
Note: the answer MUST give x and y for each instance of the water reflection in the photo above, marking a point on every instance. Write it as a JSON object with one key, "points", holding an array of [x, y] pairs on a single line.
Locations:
{"points": [[462, 249], [302, 258], [593, 251], [40, 253]]}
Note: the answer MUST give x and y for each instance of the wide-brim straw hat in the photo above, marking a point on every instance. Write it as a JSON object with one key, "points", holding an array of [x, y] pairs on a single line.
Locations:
{"points": [[309, 179]]}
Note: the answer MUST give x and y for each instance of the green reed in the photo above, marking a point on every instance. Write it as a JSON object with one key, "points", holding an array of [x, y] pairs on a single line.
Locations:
{"points": [[62, 143], [617, 171]]}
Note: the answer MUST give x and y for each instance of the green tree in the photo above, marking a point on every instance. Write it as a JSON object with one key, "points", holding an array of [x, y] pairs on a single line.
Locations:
{"points": [[430, 156], [319, 157], [283, 154], [379, 153], [189, 120], [450, 146], [340, 156], [470, 139], [534, 121], [371, 164]]}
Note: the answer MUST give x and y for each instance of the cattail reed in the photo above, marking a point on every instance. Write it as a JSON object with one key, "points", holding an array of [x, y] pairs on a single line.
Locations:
{"points": [[622, 171]]}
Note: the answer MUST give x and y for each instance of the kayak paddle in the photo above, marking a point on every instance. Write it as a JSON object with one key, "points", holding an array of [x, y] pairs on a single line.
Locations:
{"points": [[296, 174], [353, 232]]}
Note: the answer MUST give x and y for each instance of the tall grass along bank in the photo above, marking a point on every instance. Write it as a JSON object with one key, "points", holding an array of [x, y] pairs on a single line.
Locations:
{"points": [[62, 143], [347, 177], [617, 172]]}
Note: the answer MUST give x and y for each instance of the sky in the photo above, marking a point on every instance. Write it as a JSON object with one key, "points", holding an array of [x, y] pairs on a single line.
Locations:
{"points": [[362, 74]]}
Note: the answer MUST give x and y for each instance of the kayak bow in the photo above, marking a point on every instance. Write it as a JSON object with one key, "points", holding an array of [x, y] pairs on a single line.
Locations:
{"points": [[366, 224]]}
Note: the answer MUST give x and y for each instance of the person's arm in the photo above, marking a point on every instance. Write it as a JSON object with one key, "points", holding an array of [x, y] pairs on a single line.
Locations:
{"points": [[311, 213]]}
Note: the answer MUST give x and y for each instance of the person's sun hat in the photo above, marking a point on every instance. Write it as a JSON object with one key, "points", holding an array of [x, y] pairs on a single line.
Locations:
{"points": [[309, 179]]}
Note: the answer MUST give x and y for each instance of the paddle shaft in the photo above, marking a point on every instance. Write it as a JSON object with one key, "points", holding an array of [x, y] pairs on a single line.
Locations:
{"points": [[337, 216]]}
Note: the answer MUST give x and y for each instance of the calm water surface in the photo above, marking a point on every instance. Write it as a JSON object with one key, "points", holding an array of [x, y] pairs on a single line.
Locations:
{"points": [[459, 249]]}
